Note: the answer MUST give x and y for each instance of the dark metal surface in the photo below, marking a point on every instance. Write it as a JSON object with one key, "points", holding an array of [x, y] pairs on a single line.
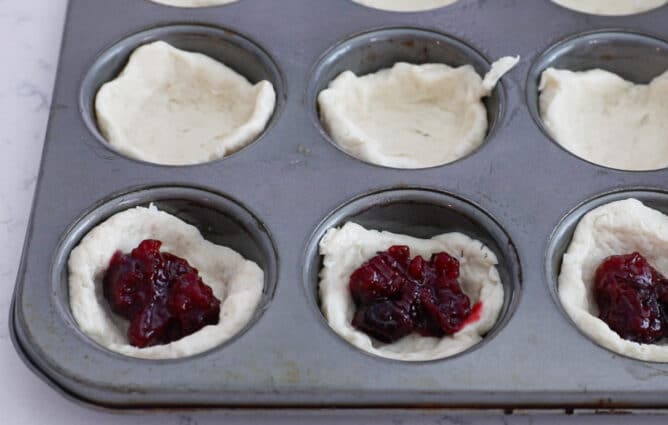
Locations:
{"points": [[292, 178]]}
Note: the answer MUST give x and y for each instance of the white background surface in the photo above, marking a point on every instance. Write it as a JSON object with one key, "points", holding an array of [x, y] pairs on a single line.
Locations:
{"points": [[30, 33]]}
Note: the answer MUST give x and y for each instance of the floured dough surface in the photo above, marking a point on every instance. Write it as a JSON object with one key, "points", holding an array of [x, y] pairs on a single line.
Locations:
{"points": [[173, 107], [236, 282], [345, 249], [410, 116], [617, 228], [405, 5], [193, 3], [607, 120], [611, 7]]}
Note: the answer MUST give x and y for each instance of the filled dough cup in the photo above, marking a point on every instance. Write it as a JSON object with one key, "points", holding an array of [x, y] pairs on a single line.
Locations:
{"points": [[407, 98], [216, 235], [617, 223], [601, 96], [611, 7], [181, 95], [405, 5], [427, 222]]}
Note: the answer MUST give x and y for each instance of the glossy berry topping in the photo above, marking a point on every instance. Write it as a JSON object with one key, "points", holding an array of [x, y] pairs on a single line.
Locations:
{"points": [[631, 297], [161, 295], [396, 295]]}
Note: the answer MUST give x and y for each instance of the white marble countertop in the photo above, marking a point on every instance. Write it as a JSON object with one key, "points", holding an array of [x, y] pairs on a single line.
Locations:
{"points": [[30, 37]]}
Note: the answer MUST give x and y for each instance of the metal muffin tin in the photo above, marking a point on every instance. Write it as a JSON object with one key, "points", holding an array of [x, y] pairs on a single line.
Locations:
{"points": [[274, 199]]}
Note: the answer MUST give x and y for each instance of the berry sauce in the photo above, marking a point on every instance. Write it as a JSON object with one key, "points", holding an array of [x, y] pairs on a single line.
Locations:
{"points": [[161, 295], [632, 298], [396, 295]]}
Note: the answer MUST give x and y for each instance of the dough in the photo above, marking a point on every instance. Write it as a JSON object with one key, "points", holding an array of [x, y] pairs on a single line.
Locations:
{"points": [[193, 3], [236, 282], [174, 107], [616, 228], [405, 5], [611, 7], [604, 119], [410, 116], [347, 248]]}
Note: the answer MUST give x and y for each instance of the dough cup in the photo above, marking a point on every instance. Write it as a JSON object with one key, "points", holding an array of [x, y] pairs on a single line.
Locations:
{"points": [[219, 219], [421, 213], [228, 47]]}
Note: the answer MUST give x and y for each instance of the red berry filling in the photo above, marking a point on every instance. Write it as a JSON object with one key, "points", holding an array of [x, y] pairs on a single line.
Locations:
{"points": [[396, 295], [632, 298], [161, 295]]}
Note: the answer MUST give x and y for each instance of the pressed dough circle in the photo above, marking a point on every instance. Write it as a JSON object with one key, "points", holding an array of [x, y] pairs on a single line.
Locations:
{"points": [[605, 119], [617, 228], [236, 282], [345, 249], [611, 7], [173, 107], [193, 3], [405, 5], [410, 116]]}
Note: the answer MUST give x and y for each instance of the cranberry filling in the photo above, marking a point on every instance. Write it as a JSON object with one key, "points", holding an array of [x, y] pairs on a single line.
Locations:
{"points": [[396, 295], [161, 294], [632, 298]]}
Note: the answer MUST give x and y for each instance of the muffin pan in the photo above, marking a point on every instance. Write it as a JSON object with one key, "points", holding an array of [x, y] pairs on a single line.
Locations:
{"points": [[274, 199]]}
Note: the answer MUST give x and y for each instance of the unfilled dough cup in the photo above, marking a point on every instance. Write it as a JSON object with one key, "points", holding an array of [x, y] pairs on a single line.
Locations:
{"points": [[635, 57], [228, 47], [421, 213], [374, 50], [220, 219]]}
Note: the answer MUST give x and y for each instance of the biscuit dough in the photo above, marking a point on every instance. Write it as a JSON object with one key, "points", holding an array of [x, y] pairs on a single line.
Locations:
{"points": [[238, 283], [173, 107], [607, 120], [193, 3], [617, 228], [347, 248], [405, 5], [410, 116], [611, 7]]}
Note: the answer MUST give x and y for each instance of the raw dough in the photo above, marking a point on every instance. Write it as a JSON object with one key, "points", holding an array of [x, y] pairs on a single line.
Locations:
{"points": [[410, 116], [405, 5], [174, 107], [611, 7], [347, 248], [193, 3], [617, 228], [236, 282], [604, 119]]}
